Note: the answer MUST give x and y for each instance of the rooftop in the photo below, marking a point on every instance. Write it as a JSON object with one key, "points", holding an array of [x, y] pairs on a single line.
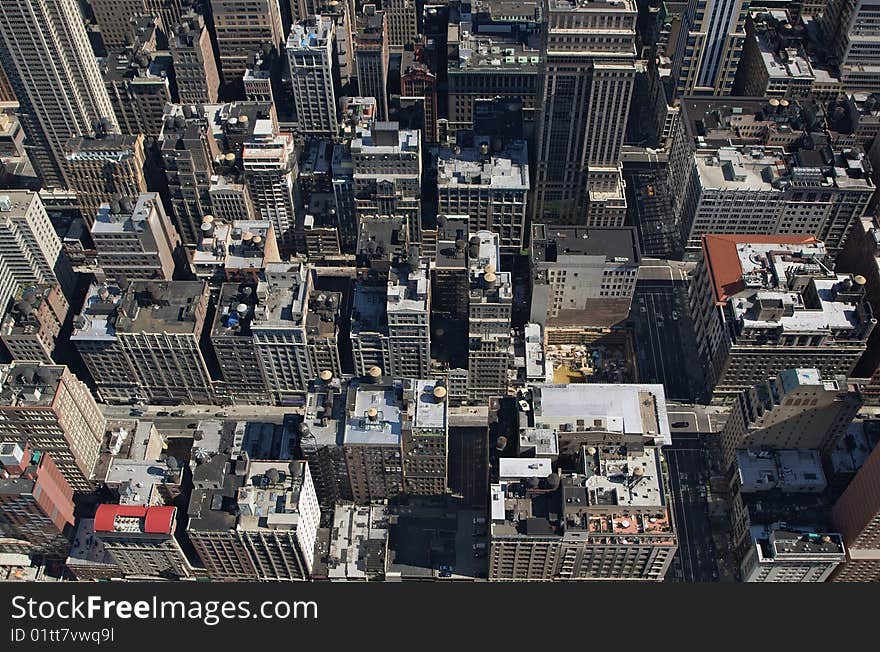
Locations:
{"points": [[407, 289], [429, 411], [787, 470], [270, 496], [310, 34], [31, 385], [374, 416], [559, 243], [783, 281], [501, 170], [358, 541], [135, 519], [780, 544], [126, 217], [144, 307], [626, 409], [617, 495]]}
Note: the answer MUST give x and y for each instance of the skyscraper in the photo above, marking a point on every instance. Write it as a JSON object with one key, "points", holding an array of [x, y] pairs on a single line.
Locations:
{"points": [[856, 515], [402, 22], [489, 311], [371, 57], [195, 68], [244, 27], [587, 83], [53, 412], [114, 16], [310, 55], [47, 56], [761, 304], [710, 42], [852, 29], [134, 239]]}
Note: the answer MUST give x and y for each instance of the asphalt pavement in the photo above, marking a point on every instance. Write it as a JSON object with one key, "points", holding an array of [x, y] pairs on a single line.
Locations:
{"points": [[664, 337], [687, 465]]}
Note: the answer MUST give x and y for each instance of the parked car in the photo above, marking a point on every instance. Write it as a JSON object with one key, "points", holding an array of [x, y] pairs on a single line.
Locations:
{"points": [[680, 424], [192, 425], [177, 413]]}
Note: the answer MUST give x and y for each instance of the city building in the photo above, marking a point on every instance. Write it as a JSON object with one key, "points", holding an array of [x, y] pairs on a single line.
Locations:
{"points": [[586, 101], [488, 183], [234, 251], [608, 518], [766, 191], [268, 161], [114, 17], [141, 540], [36, 502], [359, 543], [53, 412], [856, 515], [494, 50], [490, 305], [582, 276], [788, 470], [137, 78], [321, 433], [762, 304], [773, 62], [859, 257], [295, 330], [402, 16], [310, 57], [135, 239], [31, 327], [388, 173], [417, 80], [188, 148], [709, 45], [390, 323], [195, 68], [371, 42], [254, 520], [234, 347], [30, 250], [425, 437], [782, 555], [799, 408], [102, 167], [372, 438], [53, 72], [142, 342], [243, 27], [852, 34]]}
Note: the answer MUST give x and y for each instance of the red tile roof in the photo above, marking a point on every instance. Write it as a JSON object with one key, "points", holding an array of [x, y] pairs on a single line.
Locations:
{"points": [[722, 259], [157, 520]]}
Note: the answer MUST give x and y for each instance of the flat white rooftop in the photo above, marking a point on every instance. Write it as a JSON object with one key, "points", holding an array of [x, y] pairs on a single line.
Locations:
{"points": [[524, 467]]}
